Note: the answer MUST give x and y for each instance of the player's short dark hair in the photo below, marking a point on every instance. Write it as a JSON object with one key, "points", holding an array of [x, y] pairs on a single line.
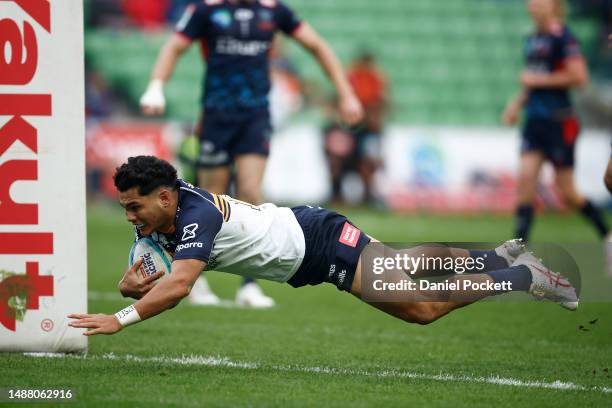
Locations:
{"points": [[145, 172]]}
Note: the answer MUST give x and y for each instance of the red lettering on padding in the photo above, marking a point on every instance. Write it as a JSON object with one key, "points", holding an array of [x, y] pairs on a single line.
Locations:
{"points": [[11, 212], [25, 105], [39, 10], [27, 243], [18, 129], [16, 72]]}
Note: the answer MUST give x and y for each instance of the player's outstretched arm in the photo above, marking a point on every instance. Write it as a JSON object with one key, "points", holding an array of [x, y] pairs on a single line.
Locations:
{"points": [[350, 107], [133, 285], [166, 294], [152, 101]]}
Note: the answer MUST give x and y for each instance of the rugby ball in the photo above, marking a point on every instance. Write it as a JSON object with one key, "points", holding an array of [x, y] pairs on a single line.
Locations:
{"points": [[154, 257]]}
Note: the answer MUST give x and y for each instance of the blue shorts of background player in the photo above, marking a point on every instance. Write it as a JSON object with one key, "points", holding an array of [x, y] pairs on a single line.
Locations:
{"points": [[227, 134], [555, 138]]}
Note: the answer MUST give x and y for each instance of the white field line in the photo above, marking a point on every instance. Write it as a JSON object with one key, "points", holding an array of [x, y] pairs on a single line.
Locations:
{"points": [[217, 361]]}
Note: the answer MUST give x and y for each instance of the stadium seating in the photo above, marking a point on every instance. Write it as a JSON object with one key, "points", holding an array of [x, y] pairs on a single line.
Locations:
{"points": [[448, 62]]}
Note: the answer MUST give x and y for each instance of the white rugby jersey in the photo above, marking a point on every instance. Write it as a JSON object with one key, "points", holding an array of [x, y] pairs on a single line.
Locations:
{"points": [[262, 242]]}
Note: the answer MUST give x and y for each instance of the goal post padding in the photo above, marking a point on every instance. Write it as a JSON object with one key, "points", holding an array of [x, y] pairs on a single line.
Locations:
{"points": [[43, 250]]}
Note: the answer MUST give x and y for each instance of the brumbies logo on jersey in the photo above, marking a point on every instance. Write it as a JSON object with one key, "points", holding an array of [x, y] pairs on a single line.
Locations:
{"points": [[189, 231]]}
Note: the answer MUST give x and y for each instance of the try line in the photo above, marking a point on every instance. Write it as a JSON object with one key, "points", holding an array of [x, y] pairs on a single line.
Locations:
{"points": [[217, 361]]}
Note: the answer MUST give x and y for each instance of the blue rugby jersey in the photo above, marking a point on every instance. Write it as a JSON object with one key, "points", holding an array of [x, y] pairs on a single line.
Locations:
{"points": [[263, 242], [198, 221], [547, 53], [235, 38]]}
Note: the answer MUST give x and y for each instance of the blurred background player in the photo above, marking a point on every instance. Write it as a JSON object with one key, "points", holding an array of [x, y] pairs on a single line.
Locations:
{"points": [[608, 173], [358, 149], [287, 91], [235, 129], [554, 65]]}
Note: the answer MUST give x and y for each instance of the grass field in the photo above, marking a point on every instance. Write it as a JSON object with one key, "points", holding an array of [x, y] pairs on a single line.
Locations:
{"points": [[319, 347]]}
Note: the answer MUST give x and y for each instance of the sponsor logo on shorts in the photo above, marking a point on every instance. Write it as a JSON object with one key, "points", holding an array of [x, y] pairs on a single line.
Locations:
{"points": [[341, 277], [189, 245], [350, 235], [332, 270]]}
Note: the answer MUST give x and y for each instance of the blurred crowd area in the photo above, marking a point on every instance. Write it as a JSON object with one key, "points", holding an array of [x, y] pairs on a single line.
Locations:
{"points": [[411, 62], [139, 14], [349, 151], [444, 66], [152, 14]]}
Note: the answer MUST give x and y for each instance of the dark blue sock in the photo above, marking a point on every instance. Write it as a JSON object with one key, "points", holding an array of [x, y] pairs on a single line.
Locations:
{"points": [[246, 281], [519, 276], [524, 219], [490, 259], [593, 214]]}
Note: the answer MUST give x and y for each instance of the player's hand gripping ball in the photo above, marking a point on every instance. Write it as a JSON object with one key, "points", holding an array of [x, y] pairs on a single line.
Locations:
{"points": [[154, 257]]}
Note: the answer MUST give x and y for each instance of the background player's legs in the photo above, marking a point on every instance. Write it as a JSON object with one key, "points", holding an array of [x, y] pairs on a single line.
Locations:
{"points": [[564, 178], [214, 180], [530, 164], [367, 166], [249, 176]]}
